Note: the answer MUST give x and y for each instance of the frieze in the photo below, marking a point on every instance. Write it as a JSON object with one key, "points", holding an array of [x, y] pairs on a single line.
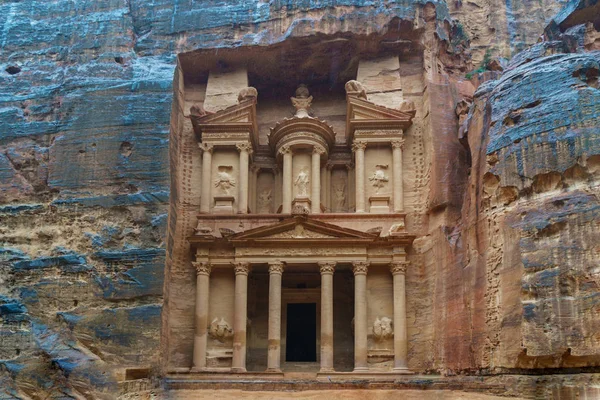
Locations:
{"points": [[297, 252]]}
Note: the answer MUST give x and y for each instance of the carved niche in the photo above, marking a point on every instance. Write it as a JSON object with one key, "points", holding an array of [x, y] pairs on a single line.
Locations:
{"points": [[382, 329]]}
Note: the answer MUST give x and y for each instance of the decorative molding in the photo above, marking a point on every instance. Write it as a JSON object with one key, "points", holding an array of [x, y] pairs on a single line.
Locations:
{"points": [[299, 233], [244, 147], [360, 267], [202, 268], [399, 267], [318, 149], [276, 267], [285, 150], [206, 147], [326, 267], [241, 268]]}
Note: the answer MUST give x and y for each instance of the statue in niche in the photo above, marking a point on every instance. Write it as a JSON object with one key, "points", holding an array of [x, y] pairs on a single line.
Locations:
{"points": [[224, 180], [382, 328], [220, 329], [302, 182], [339, 193], [264, 201], [379, 178]]}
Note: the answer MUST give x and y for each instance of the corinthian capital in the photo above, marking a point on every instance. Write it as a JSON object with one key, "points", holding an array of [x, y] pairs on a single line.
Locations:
{"points": [[285, 150], [276, 267], [241, 268], [398, 144], [202, 268], [398, 267], [359, 145], [360, 267], [206, 147], [247, 147], [326, 267]]}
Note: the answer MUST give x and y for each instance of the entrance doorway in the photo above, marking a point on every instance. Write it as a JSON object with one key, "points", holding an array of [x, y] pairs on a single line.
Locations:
{"points": [[301, 338]]}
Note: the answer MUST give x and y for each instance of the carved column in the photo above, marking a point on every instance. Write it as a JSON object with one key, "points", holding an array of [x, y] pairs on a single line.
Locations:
{"points": [[350, 186], [327, 268], [315, 192], [398, 269], [240, 311], [200, 337], [245, 150], [360, 315], [252, 190], [205, 197], [397, 162], [287, 180], [324, 187], [359, 151], [274, 349]]}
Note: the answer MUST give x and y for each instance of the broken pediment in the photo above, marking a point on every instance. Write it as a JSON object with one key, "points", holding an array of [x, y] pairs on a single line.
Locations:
{"points": [[365, 115]]}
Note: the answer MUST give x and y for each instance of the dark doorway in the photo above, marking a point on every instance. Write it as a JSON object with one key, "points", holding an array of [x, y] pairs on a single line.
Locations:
{"points": [[301, 340]]}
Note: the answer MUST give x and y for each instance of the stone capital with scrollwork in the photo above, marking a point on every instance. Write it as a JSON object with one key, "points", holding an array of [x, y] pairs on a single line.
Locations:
{"points": [[359, 145], [241, 268], [202, 268], [399, 267], [398, 144], [285, 150], [276, 267], [247, 147], [360, 267], [326, 267], [318, 150], [206, 147]]}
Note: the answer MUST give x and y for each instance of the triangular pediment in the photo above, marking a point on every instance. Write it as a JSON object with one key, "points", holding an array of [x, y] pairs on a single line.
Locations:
{"points": [[363, 114], [301, 228], [236, 118]]}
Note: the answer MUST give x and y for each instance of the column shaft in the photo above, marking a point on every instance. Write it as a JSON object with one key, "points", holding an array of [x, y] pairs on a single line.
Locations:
{"points": [[287, 181], [240, 311], [202, 299], [397, 162], [205, 196], [244, 149], [359, 151], [328, 203], [274, 330], [400, 336], [360, 316], [316, 181], [327, 269]]}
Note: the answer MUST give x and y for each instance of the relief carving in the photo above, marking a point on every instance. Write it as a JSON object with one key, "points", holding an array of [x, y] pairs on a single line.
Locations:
{"points": [[302, 182], [299, 233], [339, 197], [224, 180], [264, 201], [382, 328], [220, 329], [357, 89], [379, 179]]}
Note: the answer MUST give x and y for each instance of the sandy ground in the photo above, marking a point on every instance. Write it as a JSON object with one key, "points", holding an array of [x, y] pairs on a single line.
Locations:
{"points": [[318, 395]]}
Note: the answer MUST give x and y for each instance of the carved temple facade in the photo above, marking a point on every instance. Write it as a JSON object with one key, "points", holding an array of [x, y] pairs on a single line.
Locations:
{"points": [[299, 244]]}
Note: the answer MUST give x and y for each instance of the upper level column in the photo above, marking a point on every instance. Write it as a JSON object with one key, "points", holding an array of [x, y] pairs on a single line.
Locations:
{"points": [[205, 196], [315, 192], [397, 165], [359, 147], [245, 150], [287, 179]]}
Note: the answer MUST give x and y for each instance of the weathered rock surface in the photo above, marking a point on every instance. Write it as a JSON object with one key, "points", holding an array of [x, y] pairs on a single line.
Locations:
{"points": [[84, 183]]}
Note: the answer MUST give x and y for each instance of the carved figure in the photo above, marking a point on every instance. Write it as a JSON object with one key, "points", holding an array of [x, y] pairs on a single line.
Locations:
{"points": [[396, 228], [302, 182], [199, 111], [382, 328], [355, 88], [264, 201], [379, 178], [224, 180], [248, 93], [339, 192], [220, 329]]}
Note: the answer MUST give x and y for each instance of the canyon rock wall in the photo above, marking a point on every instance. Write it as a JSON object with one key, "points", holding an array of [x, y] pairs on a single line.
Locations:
{"points": [[84, 185]]}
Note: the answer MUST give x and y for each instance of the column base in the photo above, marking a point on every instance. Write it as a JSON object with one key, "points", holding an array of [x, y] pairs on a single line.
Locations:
{"points": [[238, 370], [195, 369], [400, 369], [326, 370], [361, 369], [273, 370]]}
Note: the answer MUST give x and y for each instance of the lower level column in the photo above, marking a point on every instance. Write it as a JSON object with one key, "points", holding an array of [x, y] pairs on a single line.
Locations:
{"points": [[274, 330], [327, 268], [201, 334], [398, 269], [240, 311], [360, 316]]}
